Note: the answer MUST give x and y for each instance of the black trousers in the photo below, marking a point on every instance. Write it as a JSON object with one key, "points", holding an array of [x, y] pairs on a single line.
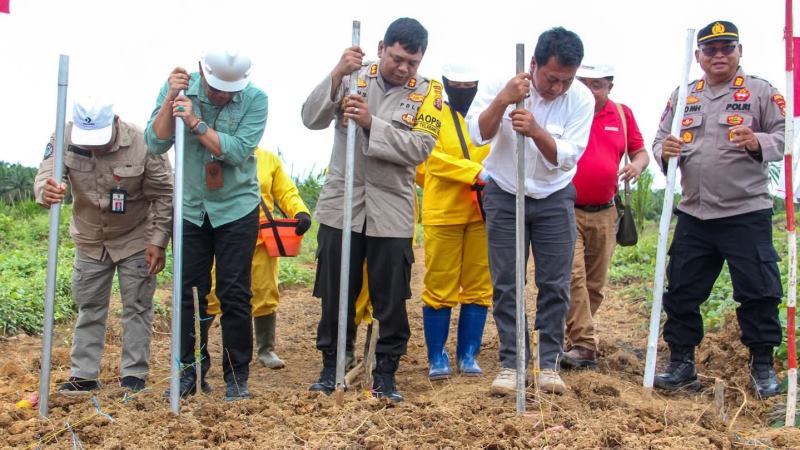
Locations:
{"points": [[699, 248], [232, 245], [389, 274]]}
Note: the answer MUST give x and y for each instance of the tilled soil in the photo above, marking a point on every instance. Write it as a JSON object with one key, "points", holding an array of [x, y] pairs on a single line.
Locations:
{"points": [[605, 408]]}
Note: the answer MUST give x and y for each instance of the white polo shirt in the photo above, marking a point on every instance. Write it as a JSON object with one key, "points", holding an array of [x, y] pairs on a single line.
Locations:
{"points": [[568, 119]]}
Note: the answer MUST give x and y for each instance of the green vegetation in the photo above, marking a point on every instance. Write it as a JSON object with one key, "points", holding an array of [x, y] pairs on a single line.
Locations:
{"points": [[632, 270], [23, 267], [23, 254]]}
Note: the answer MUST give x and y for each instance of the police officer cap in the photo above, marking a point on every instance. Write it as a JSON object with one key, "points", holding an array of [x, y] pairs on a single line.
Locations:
{"points": [[719, 30]]}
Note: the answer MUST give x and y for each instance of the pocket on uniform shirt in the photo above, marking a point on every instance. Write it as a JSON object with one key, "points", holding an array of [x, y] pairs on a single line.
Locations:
{"points": [[729, 120], [405, 117], [129, 177], [691, 127]]}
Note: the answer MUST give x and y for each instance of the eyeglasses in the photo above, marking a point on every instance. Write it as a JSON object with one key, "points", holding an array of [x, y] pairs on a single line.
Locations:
{"points": [[711, 51]]}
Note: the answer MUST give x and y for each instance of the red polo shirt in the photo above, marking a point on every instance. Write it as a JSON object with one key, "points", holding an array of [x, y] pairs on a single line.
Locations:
{"points": [[596, 178]]}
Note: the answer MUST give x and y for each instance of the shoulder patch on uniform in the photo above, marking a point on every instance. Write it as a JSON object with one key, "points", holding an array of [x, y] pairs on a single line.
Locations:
{"points": [[48, 150], [666, 110], [687, 137], [438, 99], [741, 95], [699, 85], [691, 100], [362, 83], [781, 102], [738, 81], [373, 70], [734, 119]]}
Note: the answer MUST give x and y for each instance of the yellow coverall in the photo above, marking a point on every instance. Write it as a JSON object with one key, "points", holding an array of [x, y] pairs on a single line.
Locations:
{"points": [[276, 186], [456, 250]]}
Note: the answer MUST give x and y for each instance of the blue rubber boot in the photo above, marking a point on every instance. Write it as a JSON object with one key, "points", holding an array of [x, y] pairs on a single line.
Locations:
{"points": [[437, 324], [470, 332]]}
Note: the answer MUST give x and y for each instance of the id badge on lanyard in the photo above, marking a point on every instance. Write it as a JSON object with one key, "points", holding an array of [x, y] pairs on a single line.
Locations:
{"points": [[118, 198]]}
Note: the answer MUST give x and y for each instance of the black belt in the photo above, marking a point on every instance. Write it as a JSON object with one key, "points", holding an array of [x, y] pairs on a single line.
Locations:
{"points": [[595, 208]]}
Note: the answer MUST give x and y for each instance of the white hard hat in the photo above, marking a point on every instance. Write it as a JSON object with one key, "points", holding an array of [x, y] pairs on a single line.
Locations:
{"points": [[459, 72], [226, 70], [595, 71]]}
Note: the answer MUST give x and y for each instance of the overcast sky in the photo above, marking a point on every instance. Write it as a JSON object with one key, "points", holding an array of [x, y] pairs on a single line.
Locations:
{"points": [[125, 51]]}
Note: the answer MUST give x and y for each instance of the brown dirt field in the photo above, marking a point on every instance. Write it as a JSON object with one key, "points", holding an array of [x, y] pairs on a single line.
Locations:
{"points": [[602, 409]]}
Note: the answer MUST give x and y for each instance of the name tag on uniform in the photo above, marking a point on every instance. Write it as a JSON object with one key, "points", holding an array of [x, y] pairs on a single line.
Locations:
{"points": [[118, 199], [607, 128]]}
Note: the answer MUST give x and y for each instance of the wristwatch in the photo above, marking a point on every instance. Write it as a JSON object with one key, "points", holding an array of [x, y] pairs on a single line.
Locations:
{"points": [[200, 128]]}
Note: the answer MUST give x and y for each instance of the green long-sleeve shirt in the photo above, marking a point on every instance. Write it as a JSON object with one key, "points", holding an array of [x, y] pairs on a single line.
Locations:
{"points": [[240, 124]]}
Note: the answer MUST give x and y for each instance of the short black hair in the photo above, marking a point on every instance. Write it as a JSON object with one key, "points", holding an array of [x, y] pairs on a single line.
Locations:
{"points": [[560, 43], [409, 33]]}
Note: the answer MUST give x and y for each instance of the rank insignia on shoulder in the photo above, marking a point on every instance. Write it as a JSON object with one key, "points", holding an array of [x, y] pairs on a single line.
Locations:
{"points": [[48, 151], [699, 85], [738, 81], [687, 137], [409, 119], [416, 97], [373, 70], [741, 95], [735, 119], [362, 83], [781, 102], [412, 83], [687, 121]]}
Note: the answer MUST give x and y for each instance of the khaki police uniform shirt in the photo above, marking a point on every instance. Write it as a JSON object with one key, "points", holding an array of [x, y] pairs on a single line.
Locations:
{"points": [[146, 177], [405, 125], [719, 179]]}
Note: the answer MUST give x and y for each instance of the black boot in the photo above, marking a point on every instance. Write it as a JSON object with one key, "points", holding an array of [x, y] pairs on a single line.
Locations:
{"points": [[383, 377], [327, 377], [680, 372], [762, 372]]}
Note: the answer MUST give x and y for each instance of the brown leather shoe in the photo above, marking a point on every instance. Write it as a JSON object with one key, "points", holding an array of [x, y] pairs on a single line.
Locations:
{"points": [[579, 358]]}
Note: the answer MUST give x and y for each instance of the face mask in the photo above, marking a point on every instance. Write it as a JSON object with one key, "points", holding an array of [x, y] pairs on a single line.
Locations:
{"points": [[460, 98]]}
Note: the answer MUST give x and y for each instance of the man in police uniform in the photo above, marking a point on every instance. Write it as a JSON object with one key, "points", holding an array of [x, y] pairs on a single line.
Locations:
{"points": [[398, 115], [121, 221], [733, 126]]}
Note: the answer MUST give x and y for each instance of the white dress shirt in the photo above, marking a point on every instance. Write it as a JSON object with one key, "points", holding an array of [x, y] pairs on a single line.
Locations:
{"points": [[568, 119]]}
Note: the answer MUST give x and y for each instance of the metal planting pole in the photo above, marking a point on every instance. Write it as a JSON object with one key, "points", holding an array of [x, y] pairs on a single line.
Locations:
{"points": [[347, 223], [52, 239], [177, 269], [666, 216], [520, 253], [791, 235]]}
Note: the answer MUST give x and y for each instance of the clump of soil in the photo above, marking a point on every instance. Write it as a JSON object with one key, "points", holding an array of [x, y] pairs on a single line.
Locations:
{"points": [[605, 408]]}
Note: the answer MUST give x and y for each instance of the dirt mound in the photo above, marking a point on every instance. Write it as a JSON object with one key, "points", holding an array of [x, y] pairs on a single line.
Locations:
{"points": [[606, 408]]}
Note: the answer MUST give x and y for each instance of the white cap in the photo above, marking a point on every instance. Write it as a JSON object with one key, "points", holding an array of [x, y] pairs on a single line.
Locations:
{"points": [[459, 72], [226, 70], [92, 122], [595, 71]]}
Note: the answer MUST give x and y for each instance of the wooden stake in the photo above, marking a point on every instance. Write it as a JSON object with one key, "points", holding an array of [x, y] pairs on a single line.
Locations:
{"points": [[198, 354]]}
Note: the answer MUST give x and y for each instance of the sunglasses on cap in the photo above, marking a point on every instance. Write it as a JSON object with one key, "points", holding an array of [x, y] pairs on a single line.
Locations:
{"points": [[711, 51]]}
